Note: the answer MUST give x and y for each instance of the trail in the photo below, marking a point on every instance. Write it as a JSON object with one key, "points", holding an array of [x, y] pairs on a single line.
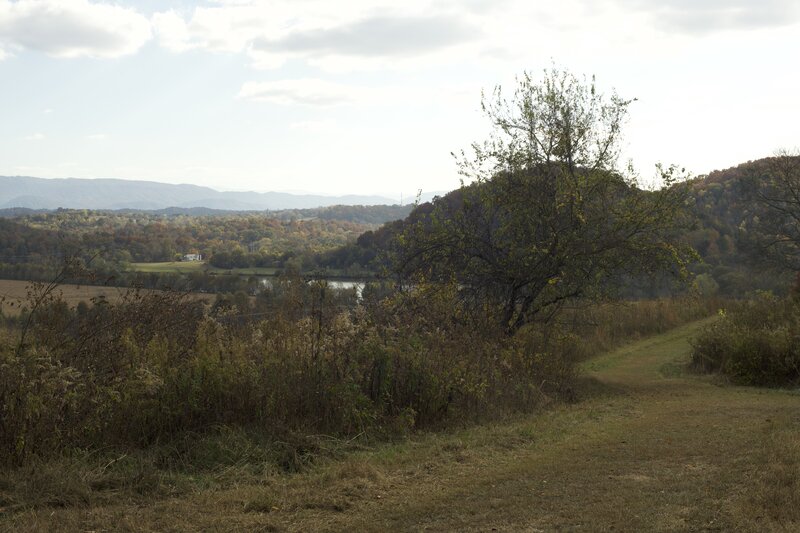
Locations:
{"points": [[647, 447], [656, 450]]}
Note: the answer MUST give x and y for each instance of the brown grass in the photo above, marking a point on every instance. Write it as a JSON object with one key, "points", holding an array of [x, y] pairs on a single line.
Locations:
{"points": [[646, 448], [13, 293]]}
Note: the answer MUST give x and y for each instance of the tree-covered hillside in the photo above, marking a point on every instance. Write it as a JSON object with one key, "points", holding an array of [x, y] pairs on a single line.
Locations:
{"points": [[726, 232], [730, 230]]}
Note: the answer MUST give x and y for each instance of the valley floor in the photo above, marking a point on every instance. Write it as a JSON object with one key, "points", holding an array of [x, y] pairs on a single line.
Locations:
{"points": [[647, 447]]}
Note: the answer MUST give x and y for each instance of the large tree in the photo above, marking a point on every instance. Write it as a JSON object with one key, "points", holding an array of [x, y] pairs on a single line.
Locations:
{"points": [[544, 214]]}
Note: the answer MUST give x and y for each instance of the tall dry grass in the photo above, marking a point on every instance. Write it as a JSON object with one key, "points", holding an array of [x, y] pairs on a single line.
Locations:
{"points": [[151, 367]]}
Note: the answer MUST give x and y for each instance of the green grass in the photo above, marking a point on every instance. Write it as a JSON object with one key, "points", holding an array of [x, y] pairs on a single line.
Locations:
{"points": [[186, 267]]}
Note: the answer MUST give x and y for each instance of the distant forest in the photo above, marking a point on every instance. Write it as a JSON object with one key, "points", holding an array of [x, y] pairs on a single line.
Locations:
{"points": [[354, 241]]}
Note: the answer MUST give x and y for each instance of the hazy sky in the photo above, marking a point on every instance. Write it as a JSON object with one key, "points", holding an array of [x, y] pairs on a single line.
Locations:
{"points": [[369, 96]]}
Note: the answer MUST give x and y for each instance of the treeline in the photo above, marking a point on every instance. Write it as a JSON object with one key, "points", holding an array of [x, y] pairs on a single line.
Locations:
{"points": [[359, 214], [151, 238]]}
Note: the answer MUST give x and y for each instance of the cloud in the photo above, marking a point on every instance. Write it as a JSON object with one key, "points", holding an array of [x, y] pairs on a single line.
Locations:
{"points": [[376, 36], [707, 16], [97, 137], [306, 91], [225, 28], [34, 137], [172, 31], [359, 34], [72, 28]]}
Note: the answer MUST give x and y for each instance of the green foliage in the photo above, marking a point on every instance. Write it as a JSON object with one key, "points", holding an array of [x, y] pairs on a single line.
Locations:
{"points": [[754, 343], [116, 239], [705, 285]]}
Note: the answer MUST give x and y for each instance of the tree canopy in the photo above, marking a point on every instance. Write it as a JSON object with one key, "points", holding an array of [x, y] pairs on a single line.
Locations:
{"points": [[544, 215], [776, 220]]}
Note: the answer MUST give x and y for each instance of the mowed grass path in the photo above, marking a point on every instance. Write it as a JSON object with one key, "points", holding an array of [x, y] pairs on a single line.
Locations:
{"points": [[646, 447]]}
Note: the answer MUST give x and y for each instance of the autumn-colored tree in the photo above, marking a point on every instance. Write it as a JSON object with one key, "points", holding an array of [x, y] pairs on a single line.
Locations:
{"points": [[776, 223]]}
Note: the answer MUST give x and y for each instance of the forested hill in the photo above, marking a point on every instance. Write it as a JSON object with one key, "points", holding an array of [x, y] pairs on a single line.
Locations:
{"points": [[33, 242], [723, 206], [727, 232], [38, 193]]}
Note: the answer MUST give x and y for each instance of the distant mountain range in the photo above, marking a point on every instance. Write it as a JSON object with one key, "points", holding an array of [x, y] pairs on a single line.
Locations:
{"points": [[74, 193]]}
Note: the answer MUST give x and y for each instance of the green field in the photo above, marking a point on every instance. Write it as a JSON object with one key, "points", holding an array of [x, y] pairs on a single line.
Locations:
{"points": [[186, 267]]}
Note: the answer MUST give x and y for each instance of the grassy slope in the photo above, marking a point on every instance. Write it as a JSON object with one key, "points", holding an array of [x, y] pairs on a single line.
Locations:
{"points": [[647, 447]]}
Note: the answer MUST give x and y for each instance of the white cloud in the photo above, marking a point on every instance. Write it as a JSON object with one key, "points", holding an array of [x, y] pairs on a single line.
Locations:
{"points": [[225, 28], [72, 28], [360, 33], [172, 31], [376, 36], [707, 16], [97, 137], [305, 91], [34, 137]]}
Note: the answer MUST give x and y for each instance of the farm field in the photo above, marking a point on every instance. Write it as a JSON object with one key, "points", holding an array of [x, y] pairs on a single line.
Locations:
{"points": [[187, 267], [645, 447], [13, 293]]}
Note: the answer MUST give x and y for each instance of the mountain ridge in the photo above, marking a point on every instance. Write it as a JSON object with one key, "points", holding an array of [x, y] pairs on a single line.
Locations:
{"points": [[112, 193]]}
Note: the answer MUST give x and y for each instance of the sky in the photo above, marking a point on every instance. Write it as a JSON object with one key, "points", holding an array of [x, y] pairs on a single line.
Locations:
{"points": [[371, 97]]}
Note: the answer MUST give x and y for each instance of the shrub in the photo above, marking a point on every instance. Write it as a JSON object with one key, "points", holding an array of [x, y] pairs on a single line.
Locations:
{"points": [[756, 342]]}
